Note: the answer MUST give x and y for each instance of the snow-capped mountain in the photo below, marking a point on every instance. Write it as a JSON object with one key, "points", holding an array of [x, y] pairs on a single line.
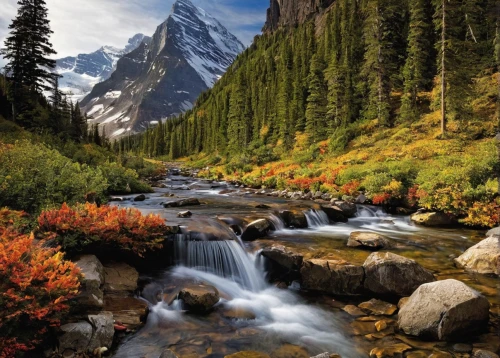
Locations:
{"points": [[83, 72], [187, 54]]}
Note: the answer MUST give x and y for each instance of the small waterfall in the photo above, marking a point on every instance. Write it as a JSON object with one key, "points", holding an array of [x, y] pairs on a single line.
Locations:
{"points": [[222, 258], [316, 218], [277, 222]]}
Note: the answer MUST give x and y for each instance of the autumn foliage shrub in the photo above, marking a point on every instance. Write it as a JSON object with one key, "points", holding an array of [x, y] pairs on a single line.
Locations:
{"points": [[35, 286], [87, 226]]}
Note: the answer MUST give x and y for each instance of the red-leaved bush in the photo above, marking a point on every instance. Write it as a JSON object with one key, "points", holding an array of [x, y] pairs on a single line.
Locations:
{"points": [[75, 228]]}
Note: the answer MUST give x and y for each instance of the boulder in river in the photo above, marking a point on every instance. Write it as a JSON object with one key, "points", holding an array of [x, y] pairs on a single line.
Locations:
{"points": [[283, 257], [141, 197], [91, 295], [185, 214], [257, 229], [444, 310], [295, 219], [349, 209], [75, 336], [199, 298], [336, 277], [494, 232], [103, 328], [334, 213], [484, 257], [391, 274], [433, 219], [368, 241], [182, 203]]}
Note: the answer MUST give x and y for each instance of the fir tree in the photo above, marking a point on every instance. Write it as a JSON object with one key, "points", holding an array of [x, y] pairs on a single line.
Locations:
{"points": [[316, 102]]}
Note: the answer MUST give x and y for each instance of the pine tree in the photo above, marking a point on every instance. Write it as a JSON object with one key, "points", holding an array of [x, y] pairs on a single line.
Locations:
{"points": [[416, 72], [316, 102]]}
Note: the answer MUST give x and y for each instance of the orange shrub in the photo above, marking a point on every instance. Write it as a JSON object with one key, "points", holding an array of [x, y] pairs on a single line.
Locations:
{"points": [[350, 188], [74, 228], [35, 285], [482, 214]]}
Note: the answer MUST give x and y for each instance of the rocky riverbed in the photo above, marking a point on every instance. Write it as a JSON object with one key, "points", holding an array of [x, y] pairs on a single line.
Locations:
{"points": [[257, 273]]}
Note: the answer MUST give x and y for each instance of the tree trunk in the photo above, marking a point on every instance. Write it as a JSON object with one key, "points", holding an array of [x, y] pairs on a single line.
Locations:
{"points": [[443, 72]]}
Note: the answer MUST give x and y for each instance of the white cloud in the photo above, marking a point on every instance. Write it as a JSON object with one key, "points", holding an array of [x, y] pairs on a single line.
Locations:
{"points": [[84, 26]]}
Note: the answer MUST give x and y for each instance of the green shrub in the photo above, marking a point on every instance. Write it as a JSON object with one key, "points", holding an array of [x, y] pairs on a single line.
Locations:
{"points": [[374, 183], [122, 180], [33, 177]]}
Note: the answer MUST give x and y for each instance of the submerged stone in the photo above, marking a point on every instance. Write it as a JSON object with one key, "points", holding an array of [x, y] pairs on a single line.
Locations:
{"points": [[378, 307]]}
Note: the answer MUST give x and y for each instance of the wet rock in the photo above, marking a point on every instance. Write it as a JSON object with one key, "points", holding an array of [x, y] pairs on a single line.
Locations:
{"points": [[440, 354], [391, 274], [462, 348], [349, 209], [103, 330], [141, 197], [354, 311], [493, 232], [362, 328], [327, 355], [199, 298], [332, 276], [317, 195], [444, 310], [403, 301], [481, 353], [483, 258], [239, 313], [361, 199], [290, 351], [182, 203], [120, 279], [129, 311], [184, 214], [168, 354], [417, 354], [283, 257], [380, 325], [334, 213], [433, 219], [248, 354], [91, 295], [368, 240], [262, 206], [115, 198], [294, 219], [257, 229], [75, 336], [395, 350], [378, 307]]}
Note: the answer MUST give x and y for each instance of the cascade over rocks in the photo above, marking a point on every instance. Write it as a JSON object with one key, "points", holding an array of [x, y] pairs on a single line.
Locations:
{"points": [[257, 229], [483, 258], [444, 310], [391, 274], [332, 276], [295, 219], [349, 209]]}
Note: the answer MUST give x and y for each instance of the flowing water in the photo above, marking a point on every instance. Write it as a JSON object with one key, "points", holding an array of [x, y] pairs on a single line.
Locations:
{"points": [[236, 269]]}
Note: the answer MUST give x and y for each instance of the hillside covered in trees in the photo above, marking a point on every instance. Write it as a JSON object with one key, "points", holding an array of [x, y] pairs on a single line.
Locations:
{"points": [[359, 74]]}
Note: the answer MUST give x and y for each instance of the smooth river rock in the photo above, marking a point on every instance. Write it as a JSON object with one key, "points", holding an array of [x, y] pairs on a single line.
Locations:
{"points": [[283, 257], [444, 310], [484, 257], [433, 219], [257, 229], [199, 298], [182, 203], [103, 327], [494, 232], [120, 279], [248, 354], [391, 274], [368, 241], [332, 276]]}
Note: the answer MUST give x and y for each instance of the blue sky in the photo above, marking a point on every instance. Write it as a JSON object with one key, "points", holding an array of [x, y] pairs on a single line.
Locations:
{"points": [[84, 26]]}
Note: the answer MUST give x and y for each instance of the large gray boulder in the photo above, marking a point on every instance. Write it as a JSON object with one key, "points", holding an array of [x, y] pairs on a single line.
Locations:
{"points": [[91, 295], [75, 336], [103, 330], [368, 241], [257, 229], [484, 257], [332, 276], [391, 274], [494, 232], [444, 310], [283, 257], [349, 209]]}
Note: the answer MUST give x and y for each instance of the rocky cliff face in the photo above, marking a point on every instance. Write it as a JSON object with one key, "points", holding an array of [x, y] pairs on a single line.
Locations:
{"points": [[187, 54], [284, 13]]}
